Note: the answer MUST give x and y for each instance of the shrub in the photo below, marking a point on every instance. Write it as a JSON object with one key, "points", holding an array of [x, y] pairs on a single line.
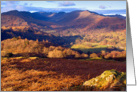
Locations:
{"points": [[115, 55], [108, 56], [51, 48], [77, 55], [45, 50], [56, 54], [83, 55], [103, 52], [93, 55]]}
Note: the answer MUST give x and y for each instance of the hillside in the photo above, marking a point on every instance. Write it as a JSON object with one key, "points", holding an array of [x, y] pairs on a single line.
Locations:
{"points": [[18, 19], [27, 48], [84, 31], [43, 74], [81, 20], [87, 20]]}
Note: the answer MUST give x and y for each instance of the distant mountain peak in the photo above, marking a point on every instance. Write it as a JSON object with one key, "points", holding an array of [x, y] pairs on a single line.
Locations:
{"points": [[12, 11], [86, 11], [84, 14]]}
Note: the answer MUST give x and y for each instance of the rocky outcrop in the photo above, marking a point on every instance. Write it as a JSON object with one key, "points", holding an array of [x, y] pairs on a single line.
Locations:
{"points": [[108, 80]]}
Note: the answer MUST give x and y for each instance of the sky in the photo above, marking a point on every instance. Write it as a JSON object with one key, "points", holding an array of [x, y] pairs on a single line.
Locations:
{"points": [[101, 7]]}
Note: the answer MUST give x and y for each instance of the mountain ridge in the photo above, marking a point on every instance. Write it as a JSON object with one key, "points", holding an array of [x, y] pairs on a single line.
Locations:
{"points": [[83, 20]]}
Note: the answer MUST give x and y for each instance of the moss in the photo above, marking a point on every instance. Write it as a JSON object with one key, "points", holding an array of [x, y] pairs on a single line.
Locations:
{"points": [[109, 79]]}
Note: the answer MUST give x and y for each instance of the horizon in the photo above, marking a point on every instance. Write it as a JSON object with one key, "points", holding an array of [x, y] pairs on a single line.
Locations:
{"points": [[100, 7]]}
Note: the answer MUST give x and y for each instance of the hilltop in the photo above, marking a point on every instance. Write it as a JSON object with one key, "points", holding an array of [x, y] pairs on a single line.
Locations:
{"points": [[78, 21]]}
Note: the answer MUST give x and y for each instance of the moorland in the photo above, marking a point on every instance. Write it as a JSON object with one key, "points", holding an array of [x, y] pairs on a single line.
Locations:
{"points": [[45, 51]]}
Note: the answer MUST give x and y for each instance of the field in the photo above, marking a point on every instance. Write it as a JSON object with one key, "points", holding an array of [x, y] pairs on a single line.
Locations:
{"points": [[96, 42], [93, 47], [90, 47], [44, 74]]}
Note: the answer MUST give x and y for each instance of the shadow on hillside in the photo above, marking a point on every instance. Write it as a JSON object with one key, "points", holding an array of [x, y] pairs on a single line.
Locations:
{"points": [[30, 35], [97, 50]]}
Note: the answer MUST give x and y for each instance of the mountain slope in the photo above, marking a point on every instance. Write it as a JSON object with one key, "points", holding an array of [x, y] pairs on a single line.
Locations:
{"points": [[78, 21], [90, 20], [16, 18]]}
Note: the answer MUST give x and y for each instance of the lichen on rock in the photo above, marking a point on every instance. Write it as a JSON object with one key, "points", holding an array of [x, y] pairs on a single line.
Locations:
{"points": [[108, 80]]}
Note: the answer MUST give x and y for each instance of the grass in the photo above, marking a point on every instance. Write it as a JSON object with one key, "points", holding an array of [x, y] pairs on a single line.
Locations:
{"points": [[96, 58], [33, 57], [43, 74], [93, 47], [93, 50], [90, 47]]}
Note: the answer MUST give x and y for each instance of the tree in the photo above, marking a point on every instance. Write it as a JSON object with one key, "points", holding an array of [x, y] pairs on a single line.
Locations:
{"points": [[56, 54], [93, 55]]}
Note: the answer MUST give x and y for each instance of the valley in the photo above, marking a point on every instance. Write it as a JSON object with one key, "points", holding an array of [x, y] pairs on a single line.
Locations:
{"points": [[48, 51]]}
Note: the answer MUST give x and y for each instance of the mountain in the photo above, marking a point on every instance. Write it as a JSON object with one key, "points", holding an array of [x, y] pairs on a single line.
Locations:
{"points": [[83, 31], [89, 20], [118, 16], [57, 23], [23, 18]]}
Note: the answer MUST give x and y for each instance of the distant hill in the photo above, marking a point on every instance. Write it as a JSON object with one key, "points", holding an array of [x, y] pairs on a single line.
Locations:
{"points": [[59, 23], [91, 20], [118, 16], [23, 18], [74, 29]]}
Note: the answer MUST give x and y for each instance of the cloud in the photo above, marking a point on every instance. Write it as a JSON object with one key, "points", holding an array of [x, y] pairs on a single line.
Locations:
{"points": [[3, 3], [67, 3], [50, 1], [36, 9], [102, 7], [10, 5], [40, 9], [31, 4], [14, 5], [121, 11], [25, 4]]}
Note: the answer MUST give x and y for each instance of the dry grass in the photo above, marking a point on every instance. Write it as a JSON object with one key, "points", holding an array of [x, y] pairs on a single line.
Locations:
{"points": [[43, 74]]}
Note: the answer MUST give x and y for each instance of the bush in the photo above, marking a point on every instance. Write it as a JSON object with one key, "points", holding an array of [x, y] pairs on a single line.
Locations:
{"points": [[115, 55], [56, 54], [93, 55], [51, 48], [77, 55], [103, 52], [83, 55]]}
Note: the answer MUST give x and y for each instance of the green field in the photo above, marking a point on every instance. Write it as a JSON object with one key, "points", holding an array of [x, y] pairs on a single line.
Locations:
{"points": [[90, 47]]}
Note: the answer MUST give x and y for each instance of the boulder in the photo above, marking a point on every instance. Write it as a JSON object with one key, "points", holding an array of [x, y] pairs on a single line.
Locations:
{"points": [[108, 80]]}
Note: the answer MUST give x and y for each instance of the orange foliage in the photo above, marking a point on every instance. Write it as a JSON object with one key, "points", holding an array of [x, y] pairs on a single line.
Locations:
{"points": [[43, 74]]}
